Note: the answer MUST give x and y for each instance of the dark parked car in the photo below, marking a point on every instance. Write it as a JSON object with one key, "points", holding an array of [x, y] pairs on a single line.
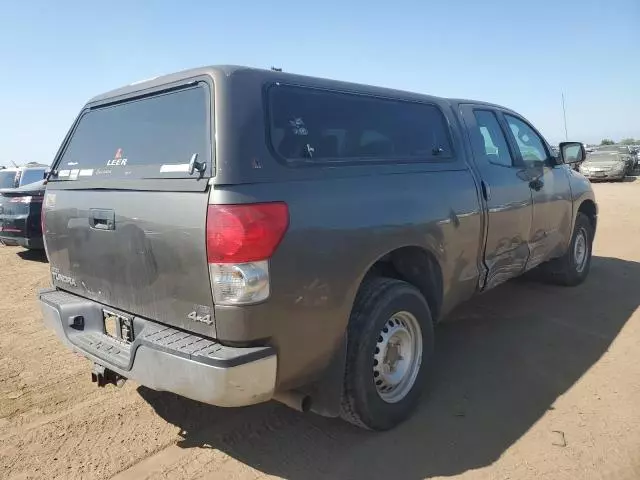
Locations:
{"points": [[20, 210], [237, 235], [635, 151]]}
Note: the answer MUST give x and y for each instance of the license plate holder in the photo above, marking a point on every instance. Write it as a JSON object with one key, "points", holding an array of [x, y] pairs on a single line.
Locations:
{"points": [[118, 326], [599, 174]]}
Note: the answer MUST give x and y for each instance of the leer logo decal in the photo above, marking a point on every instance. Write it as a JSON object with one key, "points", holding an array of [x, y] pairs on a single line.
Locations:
{"points": [[117, 159]]}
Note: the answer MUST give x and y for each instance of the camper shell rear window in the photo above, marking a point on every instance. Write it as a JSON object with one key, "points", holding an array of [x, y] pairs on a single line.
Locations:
{"points": [[151, 137]]}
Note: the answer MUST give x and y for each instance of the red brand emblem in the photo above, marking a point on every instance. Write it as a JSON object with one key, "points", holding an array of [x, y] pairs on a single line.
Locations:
{"points": [[118, 154]]}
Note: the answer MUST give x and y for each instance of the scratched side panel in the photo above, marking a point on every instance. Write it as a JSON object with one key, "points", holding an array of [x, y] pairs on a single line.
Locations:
{"points": [[152, 264]]}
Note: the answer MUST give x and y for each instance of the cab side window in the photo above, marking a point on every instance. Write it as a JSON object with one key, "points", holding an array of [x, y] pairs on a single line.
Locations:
{"points": [[530, 145], [316, 126], [495, 145]]}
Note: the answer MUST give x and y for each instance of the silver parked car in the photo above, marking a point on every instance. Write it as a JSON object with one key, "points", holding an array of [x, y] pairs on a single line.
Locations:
{"points": [[605, 166], [624, 151]]}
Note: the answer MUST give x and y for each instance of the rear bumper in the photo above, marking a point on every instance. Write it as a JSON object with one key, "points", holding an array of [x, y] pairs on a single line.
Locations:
{"points": [[22, 242], [21, 230], [164, 358]]}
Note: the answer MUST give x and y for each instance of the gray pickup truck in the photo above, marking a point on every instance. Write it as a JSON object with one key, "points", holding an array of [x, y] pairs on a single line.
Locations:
{"points": [[237, 235]]}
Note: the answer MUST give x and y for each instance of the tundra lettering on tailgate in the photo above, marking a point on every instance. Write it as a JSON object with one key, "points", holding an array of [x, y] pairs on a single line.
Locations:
{"points": [[62, 278]]}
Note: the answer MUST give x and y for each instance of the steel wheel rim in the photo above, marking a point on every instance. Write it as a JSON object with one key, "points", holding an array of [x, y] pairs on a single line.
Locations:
{"points": [[580, 250], [397, 357]]}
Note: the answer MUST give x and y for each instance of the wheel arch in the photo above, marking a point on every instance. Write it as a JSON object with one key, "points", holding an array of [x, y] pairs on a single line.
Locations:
{"points": [[589, 208], [413, 264], [417, 266]]}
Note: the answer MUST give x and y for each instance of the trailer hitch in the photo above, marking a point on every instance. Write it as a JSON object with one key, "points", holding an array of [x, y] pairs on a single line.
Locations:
{"points": [[103, 376]]}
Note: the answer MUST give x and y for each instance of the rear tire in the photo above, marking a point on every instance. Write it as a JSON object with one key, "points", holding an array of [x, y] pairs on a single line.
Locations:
{"points": [[390, 339], [573, 267]]}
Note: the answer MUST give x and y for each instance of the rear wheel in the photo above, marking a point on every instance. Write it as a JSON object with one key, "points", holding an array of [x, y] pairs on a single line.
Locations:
{"points": [[390, 340], [573, 267]]}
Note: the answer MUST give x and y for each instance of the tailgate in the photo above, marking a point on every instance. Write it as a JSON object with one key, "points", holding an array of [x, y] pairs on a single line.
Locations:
{"points": [[140, 252], [125, 216], [20, 212], [13, 218]]}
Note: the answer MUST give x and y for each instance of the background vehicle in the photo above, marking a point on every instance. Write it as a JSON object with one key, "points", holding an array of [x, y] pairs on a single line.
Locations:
{"points": [[625, 152], [605, 165], [635, 151], [339, 223], [20, 210], [20, 176], [32, 173], [9, 178]]}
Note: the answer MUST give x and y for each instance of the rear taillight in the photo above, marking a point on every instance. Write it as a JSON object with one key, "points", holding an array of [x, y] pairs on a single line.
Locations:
{"points": [[245, 233], [240, 241], [42, 221], [26, 199]]}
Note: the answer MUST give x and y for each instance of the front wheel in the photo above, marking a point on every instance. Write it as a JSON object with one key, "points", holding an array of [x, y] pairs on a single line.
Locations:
{"points": [[389, 344], [573, 267]]}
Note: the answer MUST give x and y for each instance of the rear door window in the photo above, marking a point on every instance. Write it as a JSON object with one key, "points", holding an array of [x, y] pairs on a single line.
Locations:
{"points": [[530, 145], [152, 137], [317, 126]]}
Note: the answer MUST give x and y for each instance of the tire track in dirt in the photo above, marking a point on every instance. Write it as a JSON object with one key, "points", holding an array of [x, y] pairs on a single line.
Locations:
{"points": [[53, 422]]}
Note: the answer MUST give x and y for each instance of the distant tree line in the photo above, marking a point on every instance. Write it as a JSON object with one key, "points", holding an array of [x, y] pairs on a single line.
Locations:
{"points": [[624, 141]]}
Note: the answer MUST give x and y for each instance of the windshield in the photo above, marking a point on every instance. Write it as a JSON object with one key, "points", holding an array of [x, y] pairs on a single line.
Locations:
{"points": [[145, 138], [32, 175], [7, 179], [614, 148]]}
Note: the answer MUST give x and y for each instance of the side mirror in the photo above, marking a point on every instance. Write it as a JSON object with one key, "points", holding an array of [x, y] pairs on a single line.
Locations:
{"points": [[572, 152]]}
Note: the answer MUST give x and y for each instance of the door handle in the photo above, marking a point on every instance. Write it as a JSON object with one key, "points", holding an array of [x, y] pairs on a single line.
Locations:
{"points": [[101, 219]]}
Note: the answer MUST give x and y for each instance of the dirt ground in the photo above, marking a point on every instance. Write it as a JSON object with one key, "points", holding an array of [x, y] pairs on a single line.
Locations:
{"points": [[531, 381]]}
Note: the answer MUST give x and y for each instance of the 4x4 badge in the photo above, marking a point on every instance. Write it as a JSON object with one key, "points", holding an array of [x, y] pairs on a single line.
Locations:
{"points": [[201, 314]]}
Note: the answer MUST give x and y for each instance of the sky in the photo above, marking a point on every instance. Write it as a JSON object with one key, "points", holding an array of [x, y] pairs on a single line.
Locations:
{"points": [[524, 55]]}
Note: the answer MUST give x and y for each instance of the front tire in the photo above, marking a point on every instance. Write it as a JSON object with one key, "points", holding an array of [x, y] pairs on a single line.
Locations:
{"points": [[573, 267], [390, 340]]}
